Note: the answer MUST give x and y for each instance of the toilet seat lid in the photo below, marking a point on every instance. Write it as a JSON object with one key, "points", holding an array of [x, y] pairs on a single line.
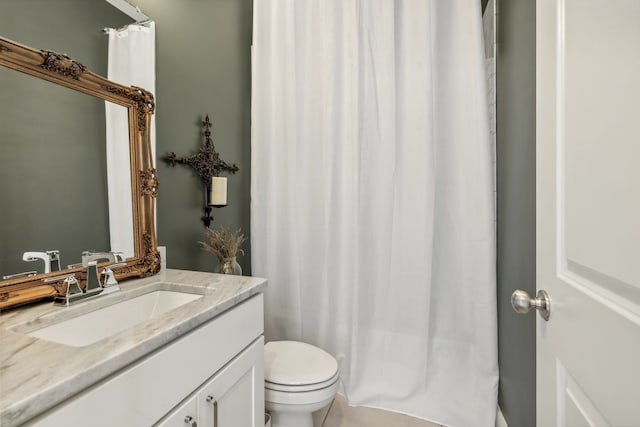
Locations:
{"points": [[297, 363]]}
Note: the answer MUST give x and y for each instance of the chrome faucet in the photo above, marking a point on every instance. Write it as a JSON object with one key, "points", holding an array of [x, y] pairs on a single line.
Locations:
{"points": [[93, 286], [74, 293], [51, 259], [88, 256]]}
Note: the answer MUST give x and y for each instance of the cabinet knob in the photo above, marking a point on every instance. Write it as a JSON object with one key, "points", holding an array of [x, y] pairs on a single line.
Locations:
{"points": [[190, 421]]}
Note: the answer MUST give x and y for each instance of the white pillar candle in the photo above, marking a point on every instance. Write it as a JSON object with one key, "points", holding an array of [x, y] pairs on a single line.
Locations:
{"points": [[218, 196]]}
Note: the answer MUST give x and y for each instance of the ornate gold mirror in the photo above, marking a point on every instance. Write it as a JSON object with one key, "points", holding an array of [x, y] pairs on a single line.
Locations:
{"points": [[139, 105]]}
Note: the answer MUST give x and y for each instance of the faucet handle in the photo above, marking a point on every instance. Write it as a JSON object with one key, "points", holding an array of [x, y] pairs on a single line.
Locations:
{"points": [[110, 284], [76, 265], [73, 288], [54, 260], [20, 275]]}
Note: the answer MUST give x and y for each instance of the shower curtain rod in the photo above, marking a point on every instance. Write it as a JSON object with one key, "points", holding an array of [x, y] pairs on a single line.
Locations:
{"points": [[128, 9]]}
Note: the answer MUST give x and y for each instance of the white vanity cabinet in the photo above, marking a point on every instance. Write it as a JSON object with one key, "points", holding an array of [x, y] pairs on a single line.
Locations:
{"points": [[229, 399], [213, 371]]}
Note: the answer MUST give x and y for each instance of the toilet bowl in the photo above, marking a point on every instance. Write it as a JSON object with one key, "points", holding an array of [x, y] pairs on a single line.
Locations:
{"points": [[299, 379]]}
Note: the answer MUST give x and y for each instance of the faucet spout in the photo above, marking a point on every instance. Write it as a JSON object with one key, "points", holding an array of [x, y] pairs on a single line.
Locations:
{"points": [[88, 256], [51, 259], [93, 285]]}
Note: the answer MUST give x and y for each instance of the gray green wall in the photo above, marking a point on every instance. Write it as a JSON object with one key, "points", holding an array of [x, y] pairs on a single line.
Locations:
{"points": [[203, 67], [516, 153], [53, 165]]}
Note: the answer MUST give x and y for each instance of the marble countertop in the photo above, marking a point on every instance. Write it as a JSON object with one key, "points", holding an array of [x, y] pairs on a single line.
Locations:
{"points": [[36, 375]]}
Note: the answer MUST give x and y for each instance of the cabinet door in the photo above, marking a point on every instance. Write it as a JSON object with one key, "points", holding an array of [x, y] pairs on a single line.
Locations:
{"points": [[234, 397], [183, 416]]}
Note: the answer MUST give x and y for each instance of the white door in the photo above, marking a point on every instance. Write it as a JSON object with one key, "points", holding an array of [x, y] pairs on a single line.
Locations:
{"points": [[588, 212]]}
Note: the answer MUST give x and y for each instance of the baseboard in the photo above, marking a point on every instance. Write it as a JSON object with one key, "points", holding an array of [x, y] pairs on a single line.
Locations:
{"points": [[500, 421]]}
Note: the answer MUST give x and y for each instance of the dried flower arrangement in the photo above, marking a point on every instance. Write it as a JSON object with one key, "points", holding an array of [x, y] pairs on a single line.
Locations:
{"points": [[223, 243]]}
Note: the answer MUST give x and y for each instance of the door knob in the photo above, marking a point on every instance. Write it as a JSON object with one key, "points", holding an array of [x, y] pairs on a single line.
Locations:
{"points": [[522, 303]]}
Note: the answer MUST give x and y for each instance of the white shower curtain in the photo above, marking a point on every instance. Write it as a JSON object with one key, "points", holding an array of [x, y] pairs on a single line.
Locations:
{"points": [[131, 63], [372, 210]]}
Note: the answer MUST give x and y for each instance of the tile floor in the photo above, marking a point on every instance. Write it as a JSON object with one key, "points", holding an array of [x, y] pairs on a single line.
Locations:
{"points": [[339, 414]]}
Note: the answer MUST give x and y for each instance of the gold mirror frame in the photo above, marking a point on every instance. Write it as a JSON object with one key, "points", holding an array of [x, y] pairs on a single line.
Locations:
{"points": [[62, 70]]}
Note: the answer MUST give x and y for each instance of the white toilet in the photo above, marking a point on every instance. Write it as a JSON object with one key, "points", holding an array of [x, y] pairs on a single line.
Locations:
{"points": [[299, 379]]}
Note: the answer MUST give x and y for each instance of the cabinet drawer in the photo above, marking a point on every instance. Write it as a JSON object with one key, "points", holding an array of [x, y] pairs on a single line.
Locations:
{"points": [[182, 416], [141, 394]]}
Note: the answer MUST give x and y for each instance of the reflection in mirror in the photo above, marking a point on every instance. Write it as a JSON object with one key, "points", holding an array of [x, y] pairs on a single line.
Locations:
{"points": [[53, 175], [68, 187]]}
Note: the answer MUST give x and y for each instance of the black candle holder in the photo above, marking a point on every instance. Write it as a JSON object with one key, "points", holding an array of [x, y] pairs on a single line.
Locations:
{"points": [[207, 164]]}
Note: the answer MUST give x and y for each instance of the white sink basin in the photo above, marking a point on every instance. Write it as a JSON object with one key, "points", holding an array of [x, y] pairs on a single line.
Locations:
{"points": [[104, 322]]}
